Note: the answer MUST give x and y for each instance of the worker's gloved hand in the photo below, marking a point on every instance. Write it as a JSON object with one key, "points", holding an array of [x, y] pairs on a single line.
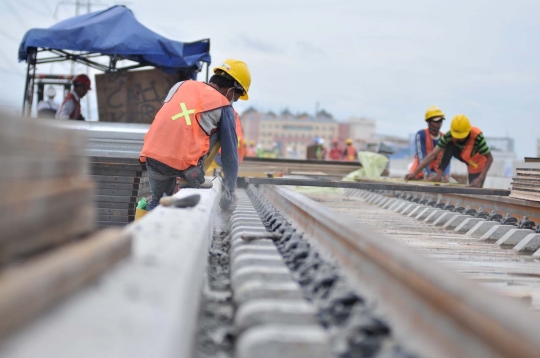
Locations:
{"points": [[227, 201], [194, 176]]}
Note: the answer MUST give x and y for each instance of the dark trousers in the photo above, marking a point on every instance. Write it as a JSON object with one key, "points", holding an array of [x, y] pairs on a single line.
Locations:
{"points": [[453, 150], [162, 180]]}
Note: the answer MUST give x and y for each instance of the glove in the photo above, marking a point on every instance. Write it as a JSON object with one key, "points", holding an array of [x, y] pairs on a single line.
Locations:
{"points": [[194, 176], [227, 201]]}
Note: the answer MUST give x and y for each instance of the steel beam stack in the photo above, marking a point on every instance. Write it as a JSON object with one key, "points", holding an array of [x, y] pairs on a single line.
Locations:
{"points": [[526, 185], [120, 184]]}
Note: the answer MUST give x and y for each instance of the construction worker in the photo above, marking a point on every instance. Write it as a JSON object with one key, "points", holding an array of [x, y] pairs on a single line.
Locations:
{"points": [[350, 154], [48, 108], [320, 152], [250, 151], [425, 142], [335, 151], [71, 107], [467, 144], [194, 122]]}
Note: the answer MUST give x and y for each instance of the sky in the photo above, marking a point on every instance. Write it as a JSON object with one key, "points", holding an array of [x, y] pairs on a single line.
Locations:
{"points": [[388, 60]]}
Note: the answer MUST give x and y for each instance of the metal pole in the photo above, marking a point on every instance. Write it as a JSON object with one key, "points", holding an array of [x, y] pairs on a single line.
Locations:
{"points": [[25, 97], [207, 65]]}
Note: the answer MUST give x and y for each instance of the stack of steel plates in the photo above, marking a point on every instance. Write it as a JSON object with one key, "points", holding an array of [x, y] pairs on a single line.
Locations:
{"points": [[46, 192], [121, 183], [526, 183]]}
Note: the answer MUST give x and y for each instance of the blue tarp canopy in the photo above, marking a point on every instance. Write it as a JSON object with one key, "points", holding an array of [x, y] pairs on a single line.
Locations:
{"points": [[114, 32]]}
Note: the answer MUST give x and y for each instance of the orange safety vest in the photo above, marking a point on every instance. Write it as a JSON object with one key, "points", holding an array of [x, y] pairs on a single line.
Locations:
{"points": [[434, 165], [176, 137], [351, 153], [76, 112], [240, 135], [477, 162]]}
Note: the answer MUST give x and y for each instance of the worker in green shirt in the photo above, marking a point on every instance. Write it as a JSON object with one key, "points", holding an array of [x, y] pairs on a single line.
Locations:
{"points": [[467, 144]]}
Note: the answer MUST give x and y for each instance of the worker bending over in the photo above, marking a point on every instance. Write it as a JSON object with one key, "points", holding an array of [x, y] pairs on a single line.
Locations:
{"points": [[467, 144], [350, 154], [71, 107], [425, 142], [194, 121]]}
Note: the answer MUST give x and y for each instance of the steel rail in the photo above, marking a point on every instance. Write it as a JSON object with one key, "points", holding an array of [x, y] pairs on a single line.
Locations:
{"points": [[277, 161], [435, 312], [380, 186]]}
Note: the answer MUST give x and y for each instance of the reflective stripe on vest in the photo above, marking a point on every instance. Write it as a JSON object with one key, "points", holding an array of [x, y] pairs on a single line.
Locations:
{"points": [[176, 137], [477, 162]]}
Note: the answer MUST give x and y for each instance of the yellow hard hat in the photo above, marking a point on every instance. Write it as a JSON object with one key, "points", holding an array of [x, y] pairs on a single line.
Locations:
{"points": [[432, 112], [239, 71], [348, 141], [251, 142], [460, 126]]}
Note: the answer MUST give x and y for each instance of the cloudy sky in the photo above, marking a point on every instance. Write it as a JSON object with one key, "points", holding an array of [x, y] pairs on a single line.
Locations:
{"points": [[388, 59]]}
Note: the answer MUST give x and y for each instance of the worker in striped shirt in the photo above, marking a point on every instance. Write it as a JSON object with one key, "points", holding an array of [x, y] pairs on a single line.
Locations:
{"points": [[467, 144]]}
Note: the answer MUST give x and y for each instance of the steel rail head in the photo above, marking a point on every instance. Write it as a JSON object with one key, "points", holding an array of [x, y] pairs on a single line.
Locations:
{"points": [[435, 310], [406, 187]]}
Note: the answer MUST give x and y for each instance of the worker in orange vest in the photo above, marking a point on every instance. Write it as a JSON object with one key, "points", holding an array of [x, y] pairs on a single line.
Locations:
{"points": [[195, 120], [250, 150], [425, 142], [465, 143], [71, 107], [350, 154]]}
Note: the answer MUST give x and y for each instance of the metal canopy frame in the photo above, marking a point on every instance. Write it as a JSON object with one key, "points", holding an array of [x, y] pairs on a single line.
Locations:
{"points": [[85, 58]]}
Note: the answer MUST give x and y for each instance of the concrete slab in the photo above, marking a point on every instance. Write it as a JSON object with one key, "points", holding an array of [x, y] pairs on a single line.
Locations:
{"points": [[258, 250], [467, 224], [255, 290], [284, 341], [260, 273], [147, 306], [268, 260], [395, 204], [435, 214], [496, 232], [380, 200], [384, 201], [389, 203], [414, 212], [513, 237], [265, 312], [529, 244], [401, 206], [423, 214], [455, 221], [408, 208], [443, 219], [481, 228]]}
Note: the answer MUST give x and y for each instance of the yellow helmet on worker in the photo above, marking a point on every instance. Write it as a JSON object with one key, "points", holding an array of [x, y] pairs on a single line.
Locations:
{"points": [[433, 112], [348, 141], [460, 126], [239, 71]]}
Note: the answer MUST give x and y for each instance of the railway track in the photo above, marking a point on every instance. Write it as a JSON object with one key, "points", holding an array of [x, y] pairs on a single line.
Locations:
{"points": [[385, 298]]}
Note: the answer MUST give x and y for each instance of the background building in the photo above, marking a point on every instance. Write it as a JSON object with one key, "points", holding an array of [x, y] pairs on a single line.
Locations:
{"points": [[292, 133]]}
